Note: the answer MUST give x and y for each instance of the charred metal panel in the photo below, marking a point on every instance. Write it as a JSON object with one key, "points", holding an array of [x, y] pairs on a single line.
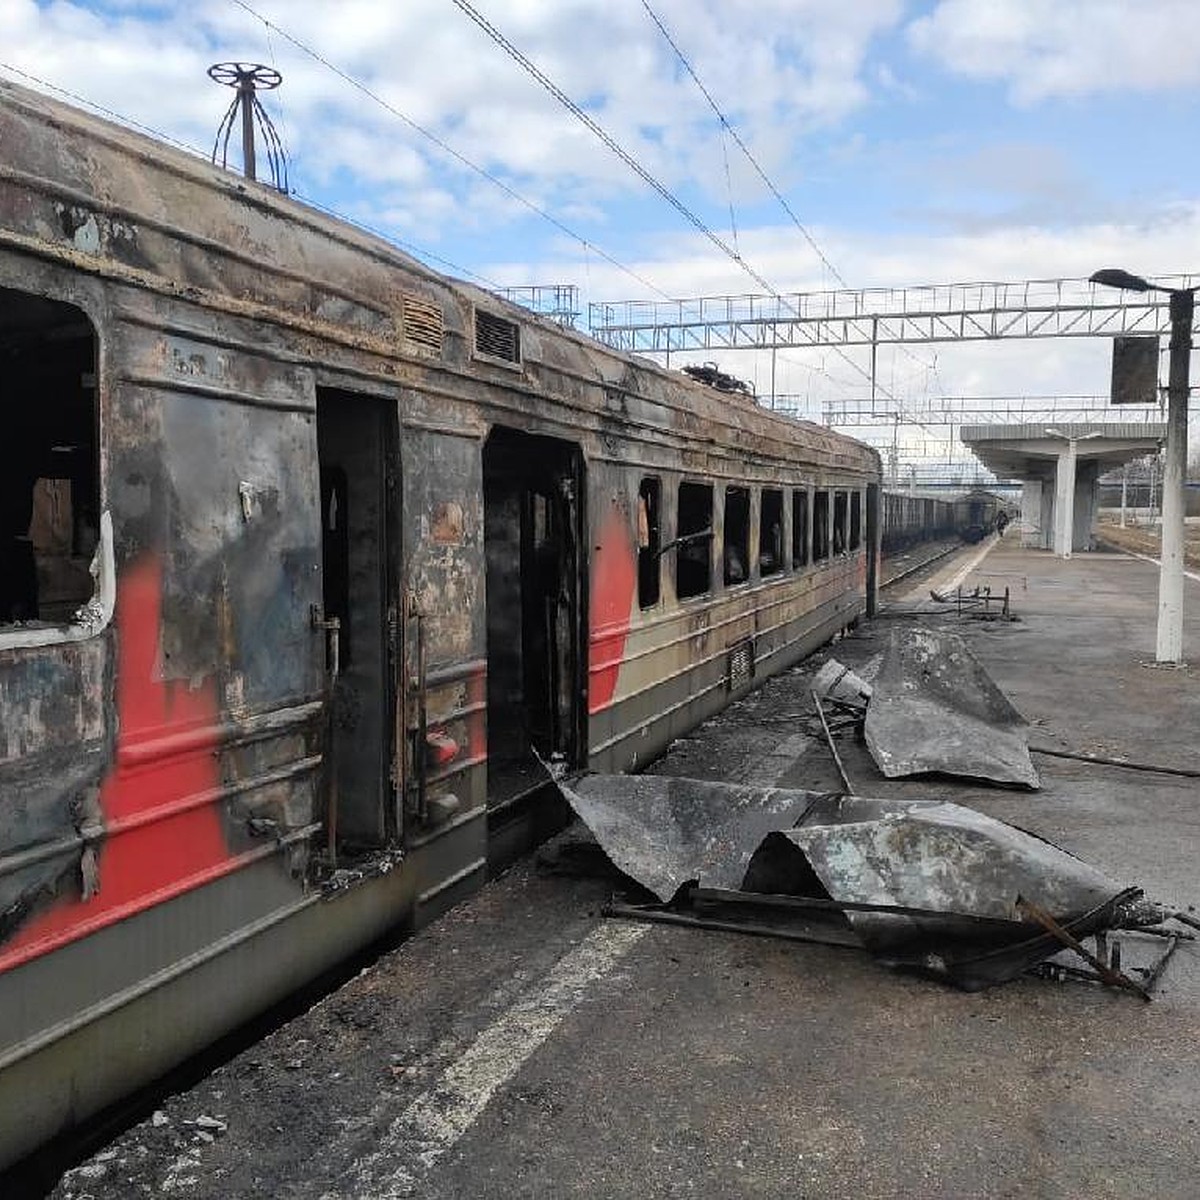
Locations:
{"points": [[935, 709], [442, 488], [442, 481], [667, 832]]}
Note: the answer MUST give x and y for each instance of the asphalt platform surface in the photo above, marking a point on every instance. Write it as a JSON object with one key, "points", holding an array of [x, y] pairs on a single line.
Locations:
{"points": [[524, 1045]]}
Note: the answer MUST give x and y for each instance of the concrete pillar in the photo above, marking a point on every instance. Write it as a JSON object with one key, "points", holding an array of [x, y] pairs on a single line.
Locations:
{"points": [[1064, 500], [1031, 514], [1087, 493]]}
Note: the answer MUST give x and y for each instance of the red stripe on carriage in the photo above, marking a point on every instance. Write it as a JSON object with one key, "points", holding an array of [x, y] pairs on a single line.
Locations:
{"points": [[614, 582], [157, 856]]}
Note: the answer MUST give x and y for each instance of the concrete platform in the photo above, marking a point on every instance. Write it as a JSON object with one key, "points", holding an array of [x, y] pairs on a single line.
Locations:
{"points": [[525, 1046]]}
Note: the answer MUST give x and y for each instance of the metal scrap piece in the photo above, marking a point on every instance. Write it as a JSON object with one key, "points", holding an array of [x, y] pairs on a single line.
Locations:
{"points": [[665, 831], [963, 869], [935, 709]]}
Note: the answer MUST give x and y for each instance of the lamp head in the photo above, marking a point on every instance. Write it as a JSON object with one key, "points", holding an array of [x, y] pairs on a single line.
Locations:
{"points": [[1116, 278]]}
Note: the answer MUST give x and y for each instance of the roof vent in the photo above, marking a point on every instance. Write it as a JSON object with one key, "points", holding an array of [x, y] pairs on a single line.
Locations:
{"points": [[496, 337], [422, 324]]}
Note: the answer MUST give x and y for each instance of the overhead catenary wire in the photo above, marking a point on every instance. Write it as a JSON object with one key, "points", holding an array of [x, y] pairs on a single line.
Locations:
{"points": [[733, 133], [634, 165], [728, 128]]}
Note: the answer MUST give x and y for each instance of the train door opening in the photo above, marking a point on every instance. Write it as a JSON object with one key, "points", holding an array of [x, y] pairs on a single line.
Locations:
{"points": [[355, 442], [535, 609]]}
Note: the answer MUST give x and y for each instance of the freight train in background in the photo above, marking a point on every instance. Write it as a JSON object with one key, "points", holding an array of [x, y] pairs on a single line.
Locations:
{"points": [[910, 518], [308, 552]]}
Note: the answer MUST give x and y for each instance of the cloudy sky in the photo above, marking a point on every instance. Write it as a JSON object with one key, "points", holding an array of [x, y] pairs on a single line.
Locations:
{"points": [[916, 141]]}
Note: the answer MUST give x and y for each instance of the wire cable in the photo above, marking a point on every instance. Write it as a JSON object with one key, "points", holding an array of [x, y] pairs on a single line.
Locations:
{"points": [[727, 128], [733, 133], [634, 165]]}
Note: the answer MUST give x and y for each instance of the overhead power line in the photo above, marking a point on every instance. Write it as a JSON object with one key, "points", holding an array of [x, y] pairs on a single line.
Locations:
{"points": [[630, 161], [727, 127], [733, 133]]}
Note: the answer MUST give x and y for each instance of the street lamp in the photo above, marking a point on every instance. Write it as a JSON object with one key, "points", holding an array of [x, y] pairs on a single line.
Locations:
{"points": [[1169, 641]]}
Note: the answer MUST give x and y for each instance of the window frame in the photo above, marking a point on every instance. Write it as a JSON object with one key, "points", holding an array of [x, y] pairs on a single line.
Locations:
{"points": [[822, 546], [741, 491], [94, 614], [780, 553], [709, 487], [653, 551], [802, 529]]}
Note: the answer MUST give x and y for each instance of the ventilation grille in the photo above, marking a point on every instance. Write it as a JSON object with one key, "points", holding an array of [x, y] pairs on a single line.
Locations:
{"points": [[497, 338], [741, 664], [422, 324]]}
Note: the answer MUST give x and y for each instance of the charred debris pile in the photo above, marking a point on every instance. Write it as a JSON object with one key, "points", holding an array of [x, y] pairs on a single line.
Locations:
{"points": [[923, 885]]}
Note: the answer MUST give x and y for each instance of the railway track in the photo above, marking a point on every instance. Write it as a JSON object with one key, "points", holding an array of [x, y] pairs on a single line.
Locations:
{"points": [[905, 570]]}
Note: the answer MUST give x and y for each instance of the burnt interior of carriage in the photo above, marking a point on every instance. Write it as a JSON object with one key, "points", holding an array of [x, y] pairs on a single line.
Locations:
{"points": [[49, 477], [532, 532], [737, 535], [649, 542], [770, 532], [355, 441], [820, 527], [799, 527], [694, 538]]}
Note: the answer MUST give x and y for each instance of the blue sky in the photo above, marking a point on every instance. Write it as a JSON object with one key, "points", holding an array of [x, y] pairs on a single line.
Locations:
{"points": [[918, 142]]}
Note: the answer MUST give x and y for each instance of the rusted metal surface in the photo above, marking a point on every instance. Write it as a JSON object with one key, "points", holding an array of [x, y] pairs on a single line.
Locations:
{"points": [[935, 709]]}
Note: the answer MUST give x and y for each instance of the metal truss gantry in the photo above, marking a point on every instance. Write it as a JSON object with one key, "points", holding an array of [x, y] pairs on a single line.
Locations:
{"points": [[967, 410], [955, 312], [558, 301]]}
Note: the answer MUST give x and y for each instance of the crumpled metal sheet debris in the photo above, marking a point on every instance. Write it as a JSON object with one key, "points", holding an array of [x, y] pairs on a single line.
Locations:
{"points": [[951, 878], [935, 709], [922, 884], [665, 831]]}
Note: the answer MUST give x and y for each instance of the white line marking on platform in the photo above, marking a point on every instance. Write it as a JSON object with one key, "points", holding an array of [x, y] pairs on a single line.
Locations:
{"points": [[436, 1119], [1146, 558]]}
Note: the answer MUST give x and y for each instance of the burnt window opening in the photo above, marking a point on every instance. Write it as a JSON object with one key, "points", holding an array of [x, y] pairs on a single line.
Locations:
{"points": [[800, 527], [841, 508], [855, 520], [693, 550], [737, 535], [820, 533], [770, 533], [49, 460], [649, 541], [497, 337]]}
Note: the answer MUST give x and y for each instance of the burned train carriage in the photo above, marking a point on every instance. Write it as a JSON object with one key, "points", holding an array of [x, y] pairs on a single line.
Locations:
{"points": [[307, 551]]}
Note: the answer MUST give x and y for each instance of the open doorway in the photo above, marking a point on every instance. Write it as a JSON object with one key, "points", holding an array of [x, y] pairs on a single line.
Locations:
{"points": [[355, 437], [532, 530]]}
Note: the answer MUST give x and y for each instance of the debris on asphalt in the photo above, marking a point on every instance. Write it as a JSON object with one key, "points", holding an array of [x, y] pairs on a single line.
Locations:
{"points": [[934, 709], [928, 886], [836, 682], [828, 736]]}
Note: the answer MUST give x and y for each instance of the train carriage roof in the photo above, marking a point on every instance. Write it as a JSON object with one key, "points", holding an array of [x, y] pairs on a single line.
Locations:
{"points": [[112, 202]]}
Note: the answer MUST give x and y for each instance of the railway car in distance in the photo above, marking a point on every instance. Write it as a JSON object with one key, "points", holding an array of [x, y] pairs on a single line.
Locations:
{"points": [[309, 553]]}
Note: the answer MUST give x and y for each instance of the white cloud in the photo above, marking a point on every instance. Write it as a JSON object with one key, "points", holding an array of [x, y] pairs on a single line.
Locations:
{"points": [[774, 65], [1050, 48]]}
